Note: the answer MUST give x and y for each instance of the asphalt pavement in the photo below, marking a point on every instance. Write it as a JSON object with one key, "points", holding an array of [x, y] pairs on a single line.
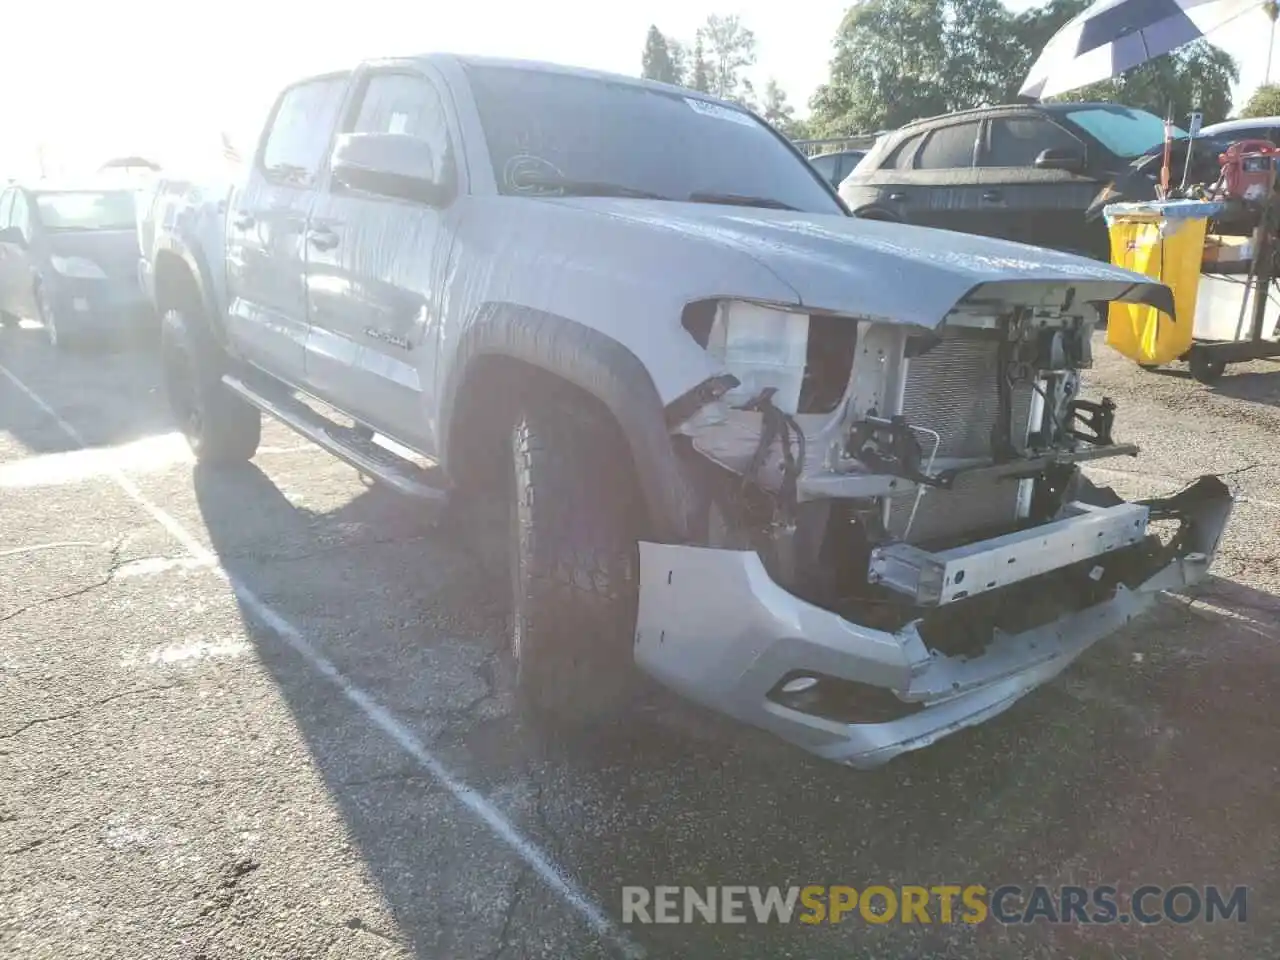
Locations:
{"points": [[261, 712]]}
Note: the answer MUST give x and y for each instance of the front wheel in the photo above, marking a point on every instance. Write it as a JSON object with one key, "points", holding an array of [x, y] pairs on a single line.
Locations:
{"points": [[220, 426], [59, 338], [574, 560]]}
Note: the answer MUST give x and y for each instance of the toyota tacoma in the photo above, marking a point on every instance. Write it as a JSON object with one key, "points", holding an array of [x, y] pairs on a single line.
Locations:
{"points": [[819, 473]]}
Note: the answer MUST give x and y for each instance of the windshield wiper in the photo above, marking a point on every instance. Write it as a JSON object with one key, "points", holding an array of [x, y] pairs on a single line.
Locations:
{"points": [[739, 200], [584, 188]]}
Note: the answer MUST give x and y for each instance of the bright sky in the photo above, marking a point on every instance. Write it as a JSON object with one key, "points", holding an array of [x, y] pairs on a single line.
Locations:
{"points": [[93, 81]]}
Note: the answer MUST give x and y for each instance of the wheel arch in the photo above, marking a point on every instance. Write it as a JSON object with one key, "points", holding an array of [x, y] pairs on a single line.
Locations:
{"points": [[182, 282], [509, 348]]}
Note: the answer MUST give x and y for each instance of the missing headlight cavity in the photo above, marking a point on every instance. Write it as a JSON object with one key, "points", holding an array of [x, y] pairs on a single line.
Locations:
{"points": [[828, 361], [697, 318], [828, 352]]}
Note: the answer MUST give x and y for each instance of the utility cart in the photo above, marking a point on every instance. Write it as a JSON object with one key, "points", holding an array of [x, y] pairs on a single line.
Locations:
{"points": [[1220, 259]]}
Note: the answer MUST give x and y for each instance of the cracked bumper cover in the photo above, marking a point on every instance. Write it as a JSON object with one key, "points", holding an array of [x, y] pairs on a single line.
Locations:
{"points": [[716, 628]]}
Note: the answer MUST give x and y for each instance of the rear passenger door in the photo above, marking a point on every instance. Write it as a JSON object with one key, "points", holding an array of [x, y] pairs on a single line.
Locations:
{"points": [[376, 266], [266, 226], [1041, 207]]}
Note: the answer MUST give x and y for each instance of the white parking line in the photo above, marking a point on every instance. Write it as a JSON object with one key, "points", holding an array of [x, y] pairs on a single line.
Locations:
{"points": [[475, 801]]}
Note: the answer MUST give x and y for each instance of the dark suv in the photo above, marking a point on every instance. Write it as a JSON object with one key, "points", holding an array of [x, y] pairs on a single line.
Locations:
{"points": [[1026, 172]]}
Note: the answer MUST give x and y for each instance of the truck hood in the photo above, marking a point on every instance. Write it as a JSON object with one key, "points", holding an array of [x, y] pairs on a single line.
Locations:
{"points": [[886, 271]]}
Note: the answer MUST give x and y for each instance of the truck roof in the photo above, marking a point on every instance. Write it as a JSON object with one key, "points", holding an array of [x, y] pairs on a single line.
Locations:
{"points": [[542, 66]]}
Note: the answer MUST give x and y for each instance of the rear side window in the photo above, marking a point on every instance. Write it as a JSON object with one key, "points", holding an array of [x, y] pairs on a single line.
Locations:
{"points": [[903, 154], [949, 148], [301, 130], [1017, 141], [403, 103]]}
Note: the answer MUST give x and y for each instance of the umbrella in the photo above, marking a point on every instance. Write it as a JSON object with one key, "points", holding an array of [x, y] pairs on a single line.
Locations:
{"points": [[1113, 36]]}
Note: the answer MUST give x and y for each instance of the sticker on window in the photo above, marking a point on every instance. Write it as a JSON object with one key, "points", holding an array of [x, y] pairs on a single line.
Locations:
{"points": [[720, 113], [399, 123]]}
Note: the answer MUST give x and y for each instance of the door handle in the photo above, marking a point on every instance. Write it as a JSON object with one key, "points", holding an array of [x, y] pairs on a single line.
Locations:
{"points": [[242, 221], [992, 196], [322, 238], [897, 197]]}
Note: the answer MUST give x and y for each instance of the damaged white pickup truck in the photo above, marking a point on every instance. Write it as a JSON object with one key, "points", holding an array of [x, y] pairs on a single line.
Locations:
{"points": [[818, 473]]}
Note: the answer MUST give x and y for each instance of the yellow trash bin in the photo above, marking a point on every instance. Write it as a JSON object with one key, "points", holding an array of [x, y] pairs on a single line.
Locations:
{"points": [[1165, 241]]}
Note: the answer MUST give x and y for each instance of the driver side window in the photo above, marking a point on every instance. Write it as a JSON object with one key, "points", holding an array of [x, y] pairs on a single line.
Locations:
{"points": [[408, 104]]}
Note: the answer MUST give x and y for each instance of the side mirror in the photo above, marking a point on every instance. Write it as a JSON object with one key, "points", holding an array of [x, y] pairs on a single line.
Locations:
{"points": [[1060, 158], [14, 236], [391, 165]]}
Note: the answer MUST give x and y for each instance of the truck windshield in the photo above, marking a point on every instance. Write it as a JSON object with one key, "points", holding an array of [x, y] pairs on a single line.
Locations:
{"points": [[542, 126], [86, 210]]}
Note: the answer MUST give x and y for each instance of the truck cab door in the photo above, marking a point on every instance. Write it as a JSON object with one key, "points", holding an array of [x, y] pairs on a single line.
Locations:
{"points": [[375, 269], [266, 227]]}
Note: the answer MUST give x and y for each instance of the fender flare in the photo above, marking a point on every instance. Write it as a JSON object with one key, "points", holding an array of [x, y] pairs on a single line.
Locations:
{"points": [[170, 245], [602, 367]]}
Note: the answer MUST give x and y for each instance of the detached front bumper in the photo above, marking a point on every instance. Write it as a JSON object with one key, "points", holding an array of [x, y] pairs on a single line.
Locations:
{"points": [[716, 628]]}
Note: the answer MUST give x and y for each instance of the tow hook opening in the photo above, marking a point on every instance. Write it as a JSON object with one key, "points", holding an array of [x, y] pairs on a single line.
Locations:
{"points": [[839, 700]]}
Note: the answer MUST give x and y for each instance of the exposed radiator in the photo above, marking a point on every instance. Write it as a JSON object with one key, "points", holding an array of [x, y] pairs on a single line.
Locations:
{"points": [[952, 389]]}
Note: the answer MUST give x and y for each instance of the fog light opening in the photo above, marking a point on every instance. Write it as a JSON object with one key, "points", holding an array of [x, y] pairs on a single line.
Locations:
{"points": [[799, 685]]}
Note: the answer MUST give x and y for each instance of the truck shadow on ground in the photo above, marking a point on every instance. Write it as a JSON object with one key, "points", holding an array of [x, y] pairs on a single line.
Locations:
{"points": [[1084, 781], [116, 398]]}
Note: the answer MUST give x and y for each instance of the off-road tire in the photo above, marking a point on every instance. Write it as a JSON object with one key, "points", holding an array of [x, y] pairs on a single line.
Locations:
{"points": [[574, 561], [220, 426]]}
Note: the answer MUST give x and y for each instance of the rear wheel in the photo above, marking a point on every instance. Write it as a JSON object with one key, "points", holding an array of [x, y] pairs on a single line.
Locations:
{"points": [[220, 426], [573, 559]]}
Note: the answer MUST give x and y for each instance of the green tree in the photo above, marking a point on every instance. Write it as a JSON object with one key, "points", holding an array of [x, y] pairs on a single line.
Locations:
{"points": [[730, 48], [1265, 102], [699, 73], [778, 111], [899, 60], [655, 61], [679, 54], [889, 67], [1197, 77]]}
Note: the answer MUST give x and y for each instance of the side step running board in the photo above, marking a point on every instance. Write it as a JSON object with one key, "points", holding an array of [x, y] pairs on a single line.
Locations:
{"points": [[346, 443]]}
